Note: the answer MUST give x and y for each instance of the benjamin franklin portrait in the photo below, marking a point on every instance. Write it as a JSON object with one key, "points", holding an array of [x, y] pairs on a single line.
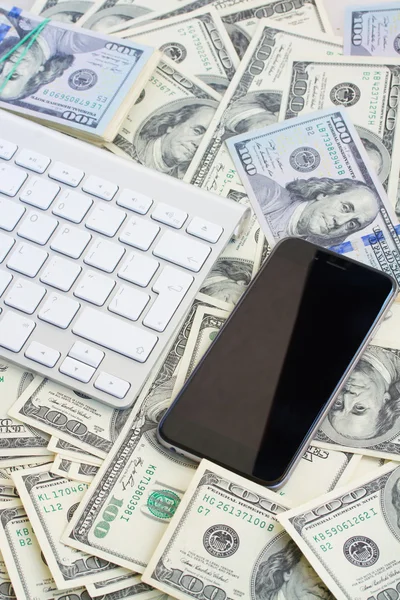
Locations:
{"points": [[322, 210], [113, 14], [377, 152], [168, 140], [286, 575], [228, 279], [252, 111], [49, 56], [368, 406], [396, 500], [239, 38]]}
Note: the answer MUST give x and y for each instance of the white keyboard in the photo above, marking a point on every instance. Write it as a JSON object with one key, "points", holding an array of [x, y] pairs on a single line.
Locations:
{"points": [[100, 259]]}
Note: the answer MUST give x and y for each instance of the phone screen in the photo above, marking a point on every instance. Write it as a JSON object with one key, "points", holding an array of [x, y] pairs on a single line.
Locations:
{"points": [[276, 363]]}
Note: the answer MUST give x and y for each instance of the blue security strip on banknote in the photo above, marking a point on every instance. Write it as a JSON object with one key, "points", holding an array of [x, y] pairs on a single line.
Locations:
{"points": [[74, 78], [310, 177]]}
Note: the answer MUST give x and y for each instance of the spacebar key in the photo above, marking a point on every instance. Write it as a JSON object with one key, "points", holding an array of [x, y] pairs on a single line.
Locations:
{"points": [[115, 334]]}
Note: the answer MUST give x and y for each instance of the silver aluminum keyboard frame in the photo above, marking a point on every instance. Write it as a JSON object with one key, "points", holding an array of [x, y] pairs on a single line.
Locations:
{"points": [[126, 174]]}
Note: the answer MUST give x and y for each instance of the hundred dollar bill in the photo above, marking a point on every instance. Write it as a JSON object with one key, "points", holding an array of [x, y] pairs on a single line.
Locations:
{"points": [[366, 415], [241, 21], [131, 593], [366, 89], [144, 479], [6, 588], [318, 472], [372, 30], [16, 439], [198, 41], [239, 261], [206, 325], [126, 586], [225, 541], [310, 177], [351, 536], [114, 15], [26, 462], [165, 126], [49, 502], [28, 572], [252, 100], [141, 482], [8, 491], [366, 465], [100, 588], [166, 13], [72, 452], [80, 420], [66, 11], [73, 470], [72, 79]]}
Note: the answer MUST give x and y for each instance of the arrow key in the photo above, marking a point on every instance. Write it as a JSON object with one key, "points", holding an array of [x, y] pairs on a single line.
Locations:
{"points": [[42, 354], [112, 385], [86, 354], [76, 369]]}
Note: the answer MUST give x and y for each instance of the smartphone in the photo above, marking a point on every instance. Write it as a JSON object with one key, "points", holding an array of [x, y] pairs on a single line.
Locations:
{"points": [[259, 394]]}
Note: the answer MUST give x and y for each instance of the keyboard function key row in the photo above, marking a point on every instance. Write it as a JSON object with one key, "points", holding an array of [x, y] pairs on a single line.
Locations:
{"points": [[32, 160], [7, 149]]}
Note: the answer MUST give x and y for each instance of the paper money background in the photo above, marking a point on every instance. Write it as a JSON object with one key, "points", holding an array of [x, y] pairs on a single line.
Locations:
{"points": [[54, 539]]}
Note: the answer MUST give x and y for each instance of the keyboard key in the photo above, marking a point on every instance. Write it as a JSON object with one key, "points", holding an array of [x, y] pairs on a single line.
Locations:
{"points": [[139, 203], [115, 334], [105, 219], [10, 213], [37, 227], [25, 296], [39, 192], [72, 206], [86, 354], [129, 303], [169, 215], [11, 179], [138, 268], [66, 174], [6, 243], [104, 255], [182, 251], [58, 310], [171, 288], [60, 273], [42, 354], [70, 241], [14, 331], [100, 187], [139, 233], [5, 279], [94, 288], [7, 149], [205, 230], [77, 370], [112, 385], [32, 160], [27, 259]]}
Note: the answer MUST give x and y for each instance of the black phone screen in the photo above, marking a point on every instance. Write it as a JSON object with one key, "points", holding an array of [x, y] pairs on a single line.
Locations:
{"points": [[258, 391]]}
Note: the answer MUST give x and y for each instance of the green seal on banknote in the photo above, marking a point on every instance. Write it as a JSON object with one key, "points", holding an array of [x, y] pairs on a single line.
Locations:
{"points": [[163, 503]]}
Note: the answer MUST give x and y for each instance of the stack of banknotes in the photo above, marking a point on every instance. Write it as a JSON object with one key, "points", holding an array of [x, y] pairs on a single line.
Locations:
{"points": [[259, 102]]}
